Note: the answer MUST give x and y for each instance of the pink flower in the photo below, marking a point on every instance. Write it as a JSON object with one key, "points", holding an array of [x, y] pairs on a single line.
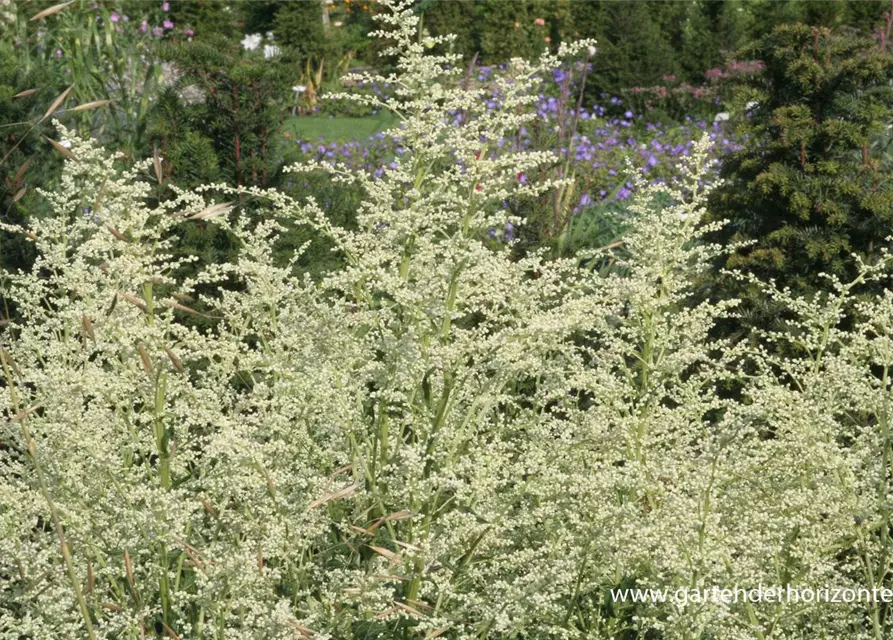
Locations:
{"points": [[539, 22], [143, 26], [166, 6], [547, 39], [157, 31], [167, 24], [115, 16], [188, 32], [58, 53]]}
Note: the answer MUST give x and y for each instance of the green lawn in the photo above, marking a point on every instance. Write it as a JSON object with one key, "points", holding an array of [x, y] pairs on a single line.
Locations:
{"points": [[340, 129]]}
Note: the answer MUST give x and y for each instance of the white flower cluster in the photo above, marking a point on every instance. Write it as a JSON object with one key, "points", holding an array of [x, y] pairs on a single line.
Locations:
{"points": [[252, 41], [437, 440]]}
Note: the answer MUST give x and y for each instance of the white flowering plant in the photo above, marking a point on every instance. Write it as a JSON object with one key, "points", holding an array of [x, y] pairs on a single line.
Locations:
{"points": [[436, 440]]}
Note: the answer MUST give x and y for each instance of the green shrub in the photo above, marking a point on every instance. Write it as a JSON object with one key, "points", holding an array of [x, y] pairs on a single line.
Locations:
{"points": [[237, 110], [299, 25], [809, 186]]}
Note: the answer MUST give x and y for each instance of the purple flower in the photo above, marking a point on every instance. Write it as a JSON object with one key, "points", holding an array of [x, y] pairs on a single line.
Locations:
{"points": [[509, 233], [166, 6], [167, 24], [628, 114], [143, 26], [115, 17], [58, 53], [586, 200], [157, 31]]}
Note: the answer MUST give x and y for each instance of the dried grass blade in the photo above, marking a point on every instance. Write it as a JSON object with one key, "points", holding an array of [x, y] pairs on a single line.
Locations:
{"points": [[384, 614], [436, 633], [410, 547], [208, 508], [420, 605], [182, 307], [87, 325], [383, 578], [362, 531], [91, 105], [147, 361], [91, 579], [338, 472], [307, 633], [24, 414], [26, 92], [343, 493], [17, 178], [214, 211], [136, 302], [58, 147], [128, 568], [56, 8], [409, 609], [178, 364], [156, 162], [99, 195], [170, 632], [198, 564], [55, 105], [120, 236], [18, 196], [385, 553], [6, 359], [399, 515]]}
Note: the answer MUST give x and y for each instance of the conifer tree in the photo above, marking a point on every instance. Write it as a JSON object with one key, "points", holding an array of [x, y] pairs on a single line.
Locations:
{"points": [[238, 111], [299, 26], [808, 186], [634, 50]]}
